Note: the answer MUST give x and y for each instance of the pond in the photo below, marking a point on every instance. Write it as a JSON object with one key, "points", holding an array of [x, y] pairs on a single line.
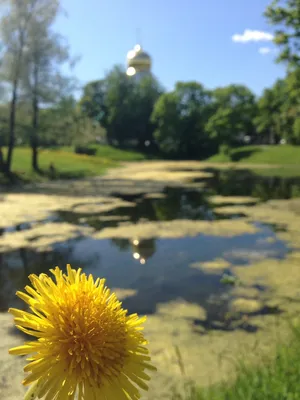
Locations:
{"points": [[154, 268], [158, 269]]}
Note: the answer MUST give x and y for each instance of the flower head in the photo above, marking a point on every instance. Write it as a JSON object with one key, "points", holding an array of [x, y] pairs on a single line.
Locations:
{"points": [[87, 344]]}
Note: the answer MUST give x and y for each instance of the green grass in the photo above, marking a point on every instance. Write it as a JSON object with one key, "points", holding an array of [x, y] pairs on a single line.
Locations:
{"points": [[67, 163], [280, 155], [71, 165], [278, 379]]}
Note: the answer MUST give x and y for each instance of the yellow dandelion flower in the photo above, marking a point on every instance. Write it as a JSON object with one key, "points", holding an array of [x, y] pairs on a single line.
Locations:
{"points": [[87, 346]]}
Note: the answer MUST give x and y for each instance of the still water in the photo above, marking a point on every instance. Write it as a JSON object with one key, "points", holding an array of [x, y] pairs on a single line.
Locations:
{"points": [[159, 270]]}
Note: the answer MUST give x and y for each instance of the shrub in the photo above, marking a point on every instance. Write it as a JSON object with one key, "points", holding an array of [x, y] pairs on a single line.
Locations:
{"points": [[85, 150]]}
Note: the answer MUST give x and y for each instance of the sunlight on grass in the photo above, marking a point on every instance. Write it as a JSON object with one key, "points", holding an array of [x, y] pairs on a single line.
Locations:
{"points": [[280, 155], [67, 163]]}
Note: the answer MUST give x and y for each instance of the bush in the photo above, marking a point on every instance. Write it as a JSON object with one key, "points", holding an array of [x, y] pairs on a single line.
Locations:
{"points": [[85, 150], [225, 149]]}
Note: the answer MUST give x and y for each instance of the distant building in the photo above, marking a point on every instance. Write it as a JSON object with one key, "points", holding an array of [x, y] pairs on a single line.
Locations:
{"points": [[138, 63]]}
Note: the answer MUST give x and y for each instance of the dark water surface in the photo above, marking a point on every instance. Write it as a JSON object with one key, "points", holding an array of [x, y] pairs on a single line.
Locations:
{"points": [[158, 270]]}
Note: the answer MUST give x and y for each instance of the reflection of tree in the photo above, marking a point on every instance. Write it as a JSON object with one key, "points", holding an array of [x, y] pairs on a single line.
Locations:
{"points": [[247, 183], [176, 203], [180, 203], [142, 249], [15, 266], [121, 244]]}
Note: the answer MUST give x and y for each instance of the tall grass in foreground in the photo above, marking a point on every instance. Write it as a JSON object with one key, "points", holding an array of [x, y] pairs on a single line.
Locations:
{"points": [[278, 379]]}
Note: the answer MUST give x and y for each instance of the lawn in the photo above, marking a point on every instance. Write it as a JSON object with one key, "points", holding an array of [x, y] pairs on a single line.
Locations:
{"points": [[67, 163], [278, 379], [279, 155], [71, 165]]}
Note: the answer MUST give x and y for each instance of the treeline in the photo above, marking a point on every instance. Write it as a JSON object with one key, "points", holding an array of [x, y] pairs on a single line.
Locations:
{"points": [[191, 121]]}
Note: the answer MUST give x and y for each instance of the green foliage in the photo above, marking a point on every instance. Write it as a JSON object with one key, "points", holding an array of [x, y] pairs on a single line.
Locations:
{"points": [[93, 101], [234, 110], [291, 109], [286, 15], [278, 110], [122, 106], [85, 150], [225, 149], [180, 118], [145, 94], [111, 153], [269, 121]]}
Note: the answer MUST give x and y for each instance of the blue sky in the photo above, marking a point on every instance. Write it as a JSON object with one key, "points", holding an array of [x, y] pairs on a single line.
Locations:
{"points": [[203, 40]]}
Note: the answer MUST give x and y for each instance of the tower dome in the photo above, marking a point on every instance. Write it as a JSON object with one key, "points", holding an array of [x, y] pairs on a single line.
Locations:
{"points": [[138, 61]]}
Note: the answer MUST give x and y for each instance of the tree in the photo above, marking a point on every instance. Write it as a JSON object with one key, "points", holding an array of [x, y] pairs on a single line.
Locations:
{"points": [[269, 120], [234, 111], [57, 123], [290, 109], [42, 80], [108, 101], [122, 106], [286, 15], [145, 94], [14, 34], [93, 101], [119, 103], [180, 117]]}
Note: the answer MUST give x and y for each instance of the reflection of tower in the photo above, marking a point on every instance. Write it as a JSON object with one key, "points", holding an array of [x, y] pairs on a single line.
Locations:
{"points": [[143, 249], [138, 63]]}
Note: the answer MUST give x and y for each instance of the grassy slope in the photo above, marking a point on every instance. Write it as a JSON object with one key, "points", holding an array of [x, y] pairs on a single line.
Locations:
{"points": [[68, 164], [280, 155]]}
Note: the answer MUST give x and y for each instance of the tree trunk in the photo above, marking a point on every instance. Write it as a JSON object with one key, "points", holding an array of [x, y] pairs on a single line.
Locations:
{"points": [[271, 137], [13, 105], [34, 138], [12, 122], [1, 160], [34, 131]]}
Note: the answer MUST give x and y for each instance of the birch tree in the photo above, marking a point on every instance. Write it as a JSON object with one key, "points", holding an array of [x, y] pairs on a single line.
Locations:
{"points": [[42, 80], [14, 25]]}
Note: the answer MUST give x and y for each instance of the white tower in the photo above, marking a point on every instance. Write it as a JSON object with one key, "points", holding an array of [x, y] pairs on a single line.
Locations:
{"points": [[138, 63]]}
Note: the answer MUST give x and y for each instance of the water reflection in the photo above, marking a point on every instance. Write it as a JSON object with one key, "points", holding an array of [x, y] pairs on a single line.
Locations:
{"points": [[142, 249], [15, 266], [174, 203], [192, 204], [247, 183], [157, 271]]}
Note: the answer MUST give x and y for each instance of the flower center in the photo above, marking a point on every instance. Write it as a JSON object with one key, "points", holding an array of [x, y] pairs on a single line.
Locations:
{"points": [[91, 335]]}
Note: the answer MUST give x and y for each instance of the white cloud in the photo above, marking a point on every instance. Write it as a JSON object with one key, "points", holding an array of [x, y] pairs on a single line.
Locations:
{"points": [[266, 50], [252, 36]]}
